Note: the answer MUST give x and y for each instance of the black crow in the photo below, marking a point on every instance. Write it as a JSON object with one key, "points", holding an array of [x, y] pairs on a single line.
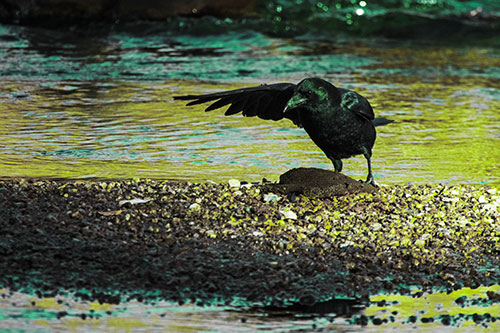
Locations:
{"points": [[341, 122]]}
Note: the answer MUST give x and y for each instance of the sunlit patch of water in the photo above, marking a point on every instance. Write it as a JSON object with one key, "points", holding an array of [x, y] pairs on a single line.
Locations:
{"points": [[463, 309], [101, 106], [441, 134], [21, 311]]}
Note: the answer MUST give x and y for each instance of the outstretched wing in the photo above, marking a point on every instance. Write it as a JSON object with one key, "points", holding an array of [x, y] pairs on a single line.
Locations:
{"points": [[264, 101], [356, 103]]}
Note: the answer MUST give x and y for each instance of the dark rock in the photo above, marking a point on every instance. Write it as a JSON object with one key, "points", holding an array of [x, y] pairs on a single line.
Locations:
{"points": [[320, 183], [307, 299]]}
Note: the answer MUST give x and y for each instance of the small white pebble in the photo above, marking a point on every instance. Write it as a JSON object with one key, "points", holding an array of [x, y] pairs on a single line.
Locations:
{"points": [[376, 226], [482, 200], [133, 201], [347, 243], [288, 214], [194, 206], [492, 191], [271, 197], [234, 182]]}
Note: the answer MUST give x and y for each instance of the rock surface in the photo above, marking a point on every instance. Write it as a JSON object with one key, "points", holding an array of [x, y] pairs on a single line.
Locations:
{"points": [[319, 183]]}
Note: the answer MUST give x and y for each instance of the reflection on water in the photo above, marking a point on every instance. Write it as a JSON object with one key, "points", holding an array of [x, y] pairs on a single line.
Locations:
{"points": [[465, 309], [133, 129], [75, 104], [21, 311]]}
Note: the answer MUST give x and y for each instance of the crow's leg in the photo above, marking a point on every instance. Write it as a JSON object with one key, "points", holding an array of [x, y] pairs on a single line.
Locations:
{"points": [[369, 178], [337, 164]]}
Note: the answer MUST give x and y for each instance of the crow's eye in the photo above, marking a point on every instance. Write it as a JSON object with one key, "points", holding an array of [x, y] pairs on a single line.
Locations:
{"points": [[309, 93]]}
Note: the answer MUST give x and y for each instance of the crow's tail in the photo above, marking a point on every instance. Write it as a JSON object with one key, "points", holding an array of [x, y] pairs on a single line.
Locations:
{"points": [[379, 121]]}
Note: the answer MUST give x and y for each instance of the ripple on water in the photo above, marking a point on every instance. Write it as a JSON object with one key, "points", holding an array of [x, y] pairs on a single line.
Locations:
{"points": [[68, 112]]}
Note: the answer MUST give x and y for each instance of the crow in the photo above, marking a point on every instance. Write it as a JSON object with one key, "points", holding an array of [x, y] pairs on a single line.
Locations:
{"points": [[340, 122]]}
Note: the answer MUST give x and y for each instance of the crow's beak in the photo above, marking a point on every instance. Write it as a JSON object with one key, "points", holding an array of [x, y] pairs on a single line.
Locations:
{"points": [[295, 102]]}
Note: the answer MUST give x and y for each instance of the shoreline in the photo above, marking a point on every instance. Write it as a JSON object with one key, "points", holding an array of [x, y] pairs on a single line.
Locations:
{"points": [[182, 241]]}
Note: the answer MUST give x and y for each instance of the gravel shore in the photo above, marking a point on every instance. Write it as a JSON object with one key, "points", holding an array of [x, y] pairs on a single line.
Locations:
{"points": [[153, 239]]}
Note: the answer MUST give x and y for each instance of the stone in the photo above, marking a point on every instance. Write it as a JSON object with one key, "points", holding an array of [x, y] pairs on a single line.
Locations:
{"points": [[320, 183], [234, 182], [271, 197], [288, 214]]}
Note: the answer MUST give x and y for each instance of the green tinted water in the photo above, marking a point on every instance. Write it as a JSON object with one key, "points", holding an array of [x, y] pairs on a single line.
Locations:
{"points": [[24, 312], [102, 106]]}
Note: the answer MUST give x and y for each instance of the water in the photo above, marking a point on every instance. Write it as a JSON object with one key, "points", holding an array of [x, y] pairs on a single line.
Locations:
{"points": [[24, 312], [96, 102]]}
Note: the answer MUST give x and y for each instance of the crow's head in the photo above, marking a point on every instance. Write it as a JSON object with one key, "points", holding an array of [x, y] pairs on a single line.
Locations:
{"points": [[313, 94]]}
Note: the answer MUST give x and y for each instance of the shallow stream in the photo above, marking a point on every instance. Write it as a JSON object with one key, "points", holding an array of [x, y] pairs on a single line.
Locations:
{"points": [[79, 104]]}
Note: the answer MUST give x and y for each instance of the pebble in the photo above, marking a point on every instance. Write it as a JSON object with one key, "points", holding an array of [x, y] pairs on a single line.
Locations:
{"points": [[346, 244], [133, 201], [234, 182], [194, 206], [271, 197], [420, 242], [288, 214]]}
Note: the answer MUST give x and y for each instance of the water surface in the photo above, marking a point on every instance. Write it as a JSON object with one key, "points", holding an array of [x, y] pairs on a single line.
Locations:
{"points": [[77, 104], [456, 310]]}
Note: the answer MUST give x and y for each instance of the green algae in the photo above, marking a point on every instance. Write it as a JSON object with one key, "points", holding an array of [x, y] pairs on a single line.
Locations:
{"points": [[436, 304], [430, 310], [76, 315]]}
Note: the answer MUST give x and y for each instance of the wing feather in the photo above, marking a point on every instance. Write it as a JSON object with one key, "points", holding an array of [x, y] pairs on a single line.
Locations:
{"points": [[220, 103], [264, 101], [235, 107], [356, 103]]}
